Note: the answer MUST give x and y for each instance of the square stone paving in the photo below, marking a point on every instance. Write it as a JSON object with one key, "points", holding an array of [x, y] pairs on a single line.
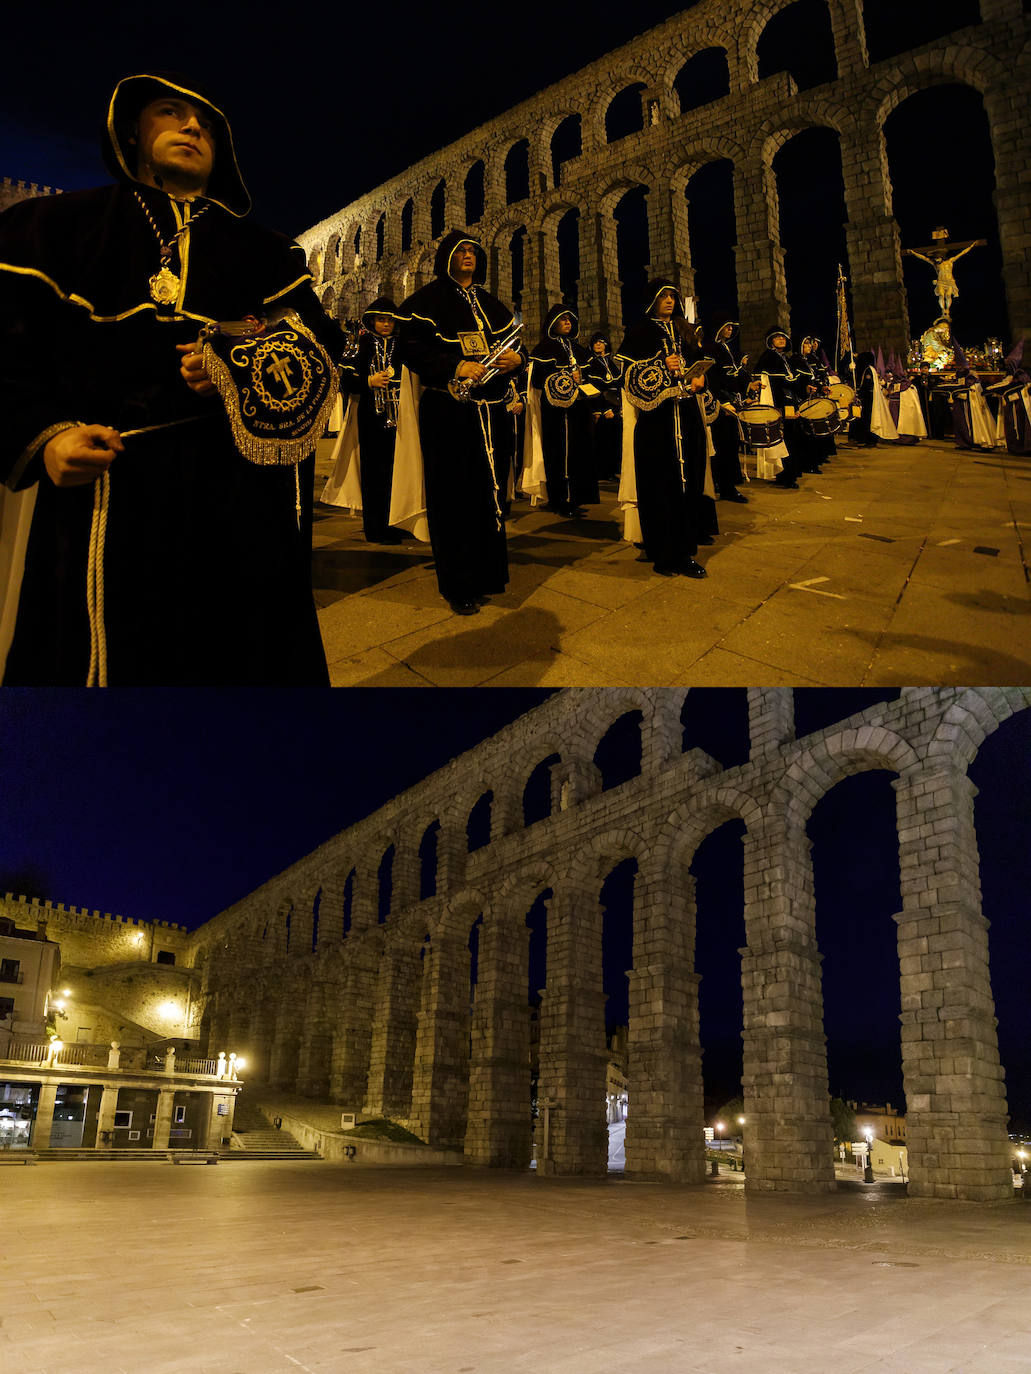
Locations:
{"points": [[893, 566], [254, 1267]]}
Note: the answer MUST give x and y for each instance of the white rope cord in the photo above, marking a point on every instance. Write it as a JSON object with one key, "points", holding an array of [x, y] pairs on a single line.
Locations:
{"points": [[97, 674], [483, 407]]}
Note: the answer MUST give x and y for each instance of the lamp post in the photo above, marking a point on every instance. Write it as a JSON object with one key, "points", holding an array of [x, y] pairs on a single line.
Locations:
{"points": [[868, 1166]]}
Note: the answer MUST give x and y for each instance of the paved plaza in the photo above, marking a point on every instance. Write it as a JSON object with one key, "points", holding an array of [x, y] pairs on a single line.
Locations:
{"points": [[893, 565], [250, 1268]]}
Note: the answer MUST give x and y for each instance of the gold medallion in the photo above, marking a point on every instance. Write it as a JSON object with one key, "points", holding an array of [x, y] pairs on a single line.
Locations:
{"points": [[164, 287]]}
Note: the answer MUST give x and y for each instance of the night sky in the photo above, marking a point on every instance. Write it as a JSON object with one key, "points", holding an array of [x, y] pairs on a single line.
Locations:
{"points": [[172, 805], [357, 95]]}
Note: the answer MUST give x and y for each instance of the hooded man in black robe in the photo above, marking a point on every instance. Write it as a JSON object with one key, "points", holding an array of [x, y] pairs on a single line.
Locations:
{"points": [[559, 373], [466, 444], [788, 393], [606, 372], [669, 440], [196, 571], [730, 382]]}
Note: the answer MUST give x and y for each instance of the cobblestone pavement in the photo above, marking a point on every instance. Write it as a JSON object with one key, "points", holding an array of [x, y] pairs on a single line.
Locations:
{"points": [[894, 565], [250, 1268]]}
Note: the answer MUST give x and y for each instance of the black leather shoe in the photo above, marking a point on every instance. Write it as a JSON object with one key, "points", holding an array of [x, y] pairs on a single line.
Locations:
{"points": [[464, 607], [666, 572], [737, 496], [692, 569], [786, 486], [706, 539]]}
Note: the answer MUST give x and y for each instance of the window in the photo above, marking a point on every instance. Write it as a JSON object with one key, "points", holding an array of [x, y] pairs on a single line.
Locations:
{"points": [[10, 970], [179, 1115], [123, 1120], [84, 1034], [165, 956], [6, 1008]]}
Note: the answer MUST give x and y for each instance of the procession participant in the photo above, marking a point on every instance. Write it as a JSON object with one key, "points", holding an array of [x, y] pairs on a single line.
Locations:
{"points": [[365, 446], [972, 423], [875, 420], [666, 475], [806, 364], [923, 385], [606, 371], [558, 368], [730, 383], [451, 468], [1014, 396], [158, 554], [785, 392]]}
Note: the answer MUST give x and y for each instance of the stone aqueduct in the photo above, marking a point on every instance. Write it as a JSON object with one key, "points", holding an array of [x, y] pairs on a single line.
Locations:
{"points": [[330, 993], [384, 241]]}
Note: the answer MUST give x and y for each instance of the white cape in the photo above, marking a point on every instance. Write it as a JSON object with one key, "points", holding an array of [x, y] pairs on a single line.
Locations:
{"points": [[408, 491], [911, 417], [769, 461], [16, 509], [881, 422], [531, 475], [344, 487]]}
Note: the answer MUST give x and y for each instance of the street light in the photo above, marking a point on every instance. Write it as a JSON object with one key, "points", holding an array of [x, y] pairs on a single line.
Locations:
{"points": [[868, 1167], [719, 1133]]}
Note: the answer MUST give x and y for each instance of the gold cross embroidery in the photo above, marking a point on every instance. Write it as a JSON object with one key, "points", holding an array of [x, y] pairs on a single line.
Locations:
{"points": [[280, 369]]}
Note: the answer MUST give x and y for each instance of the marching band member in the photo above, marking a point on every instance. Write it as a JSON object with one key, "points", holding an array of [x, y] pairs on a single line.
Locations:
{"points": [[606, 372], [666, 474], [454, 451], [785, 392], [558, 371], [1014, 393], [730, 382], [365, 446]]}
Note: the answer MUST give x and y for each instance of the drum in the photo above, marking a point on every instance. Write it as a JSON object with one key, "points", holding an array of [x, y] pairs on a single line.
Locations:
{"points": [[819, 416], [843, 396], [763, 426]]}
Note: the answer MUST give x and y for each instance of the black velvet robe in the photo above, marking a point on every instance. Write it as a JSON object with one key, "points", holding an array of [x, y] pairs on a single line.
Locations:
{"points": [[728, 381], [466, 446], [207, 578], [669, 460], [607, 375], [375, 440], [566, 432]]}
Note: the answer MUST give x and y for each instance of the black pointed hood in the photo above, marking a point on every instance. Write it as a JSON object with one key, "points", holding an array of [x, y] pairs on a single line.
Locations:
{"points": [[554, 315], [771, 334], [382, 305], [718, 320], [226, 185], [655, 288], [448, 244]]}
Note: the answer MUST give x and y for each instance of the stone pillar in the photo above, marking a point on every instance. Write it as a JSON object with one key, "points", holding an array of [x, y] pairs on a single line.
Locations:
{"points": [[106, 1113], [789, 1144], [880, 315], [452, 849], [534, 286], [499, 1130], [392, 1041], [551, 283], [258, 1042], [771, 720], [352, 1022], [573, 1054], [440, 1085], [286, 1042], [313, 1060], [610, 297], [956, 1111], [163, 1119], [500, 269], [761, 287], [44, 1120], [219, 1127], [683, 266], [666, 1118], [662, 262], [591, 276], [574, 781], [405, 872], [1011, 143]]}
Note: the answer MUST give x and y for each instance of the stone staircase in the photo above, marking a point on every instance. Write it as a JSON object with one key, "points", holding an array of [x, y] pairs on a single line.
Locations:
{"points": [[254, 1138]]}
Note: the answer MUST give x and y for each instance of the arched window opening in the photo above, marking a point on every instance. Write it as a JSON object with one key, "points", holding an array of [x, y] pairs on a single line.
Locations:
{"points": [[617, 957], [517, 251], [703, 78], [566, 143], [892, 28], [475, 193], [381, 234], [625, 114], [799, 40], [316, 907], [349, 883], [718, 872], [428, 861], [357, 243], [618, 756], [537, 794], [475, 931], [633, 250], [438, 206], [407, 216], [537, 972], [478, 827], [568, 235], [712, 232], [517, 172], [812, 230], [386, 885], [965, 206], [716, 719]]}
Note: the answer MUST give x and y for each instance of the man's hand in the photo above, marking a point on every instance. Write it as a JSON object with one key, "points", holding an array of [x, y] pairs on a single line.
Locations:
{"points": [[508, 361], [192, 369], [697, 383], [80, 455], [470, 371], [674, 362], [609, 414], [380, 379]]}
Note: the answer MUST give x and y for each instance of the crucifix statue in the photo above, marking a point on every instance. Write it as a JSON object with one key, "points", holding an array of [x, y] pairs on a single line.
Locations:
{"points": [[941, 255]]}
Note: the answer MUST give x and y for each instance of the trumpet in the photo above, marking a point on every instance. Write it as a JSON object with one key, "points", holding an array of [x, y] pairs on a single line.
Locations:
{"points": [[385, 398], [461, 388]]}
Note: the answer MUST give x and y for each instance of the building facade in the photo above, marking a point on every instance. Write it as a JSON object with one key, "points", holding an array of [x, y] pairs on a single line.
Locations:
{"points": [[517, 190]]}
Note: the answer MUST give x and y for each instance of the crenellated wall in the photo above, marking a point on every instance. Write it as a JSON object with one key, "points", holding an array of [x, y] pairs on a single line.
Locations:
{"points": [[331, 991], [747, 126], [92, 938]]}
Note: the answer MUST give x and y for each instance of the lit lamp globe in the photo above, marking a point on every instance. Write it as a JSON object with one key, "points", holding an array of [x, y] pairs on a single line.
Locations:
{"points": [[868, 1167]]}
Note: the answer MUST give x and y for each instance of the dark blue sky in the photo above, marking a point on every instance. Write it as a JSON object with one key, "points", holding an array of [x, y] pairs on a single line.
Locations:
{"points": [[174, 804]]}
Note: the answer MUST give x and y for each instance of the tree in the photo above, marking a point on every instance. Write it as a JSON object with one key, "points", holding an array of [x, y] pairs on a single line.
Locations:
{"points": [[843, 1120]]}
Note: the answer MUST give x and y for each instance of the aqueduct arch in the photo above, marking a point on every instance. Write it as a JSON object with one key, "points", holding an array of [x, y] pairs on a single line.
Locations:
{"points": [[379, 1018], [993, 56]]}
